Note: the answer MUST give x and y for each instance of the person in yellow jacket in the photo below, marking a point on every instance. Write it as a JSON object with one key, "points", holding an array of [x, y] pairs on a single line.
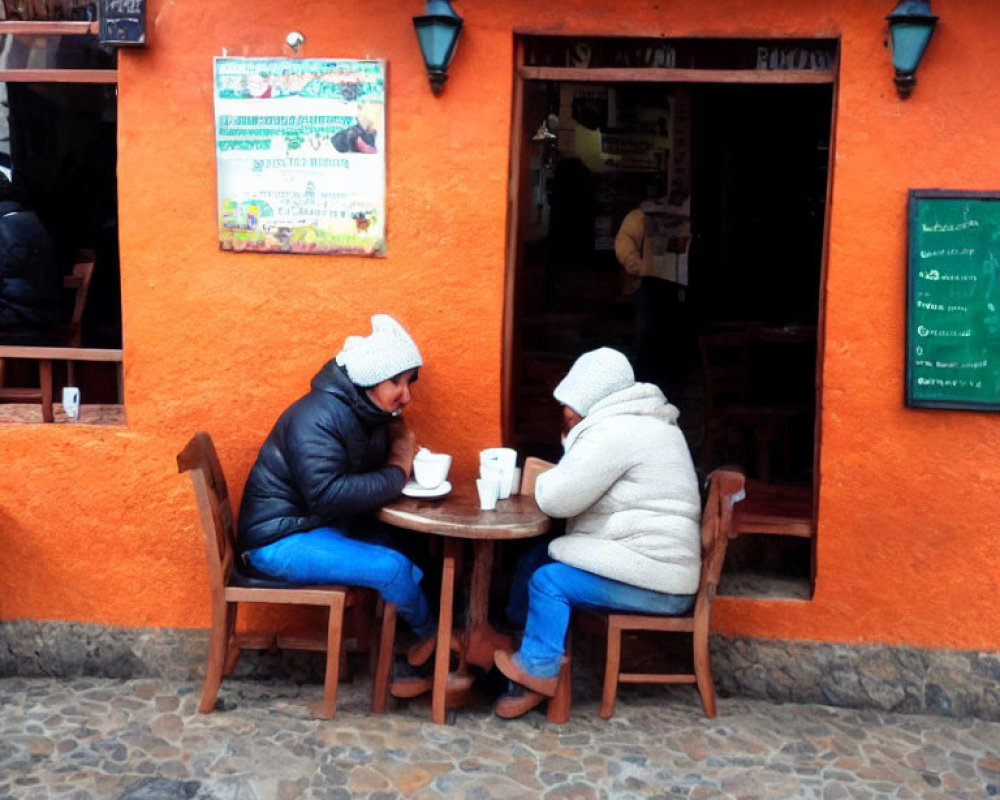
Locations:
{"points": [[651, 245]]}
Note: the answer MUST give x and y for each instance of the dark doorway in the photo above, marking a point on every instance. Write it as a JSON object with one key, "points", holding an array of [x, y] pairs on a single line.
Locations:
{"points": [[743, 169]]}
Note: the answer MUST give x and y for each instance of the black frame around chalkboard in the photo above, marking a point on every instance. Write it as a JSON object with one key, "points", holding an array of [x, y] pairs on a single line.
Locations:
{"points": [[942, 284]]}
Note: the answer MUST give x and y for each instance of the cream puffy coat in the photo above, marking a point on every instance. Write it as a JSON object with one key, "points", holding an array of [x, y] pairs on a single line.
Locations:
{"points": [[627, 486]]}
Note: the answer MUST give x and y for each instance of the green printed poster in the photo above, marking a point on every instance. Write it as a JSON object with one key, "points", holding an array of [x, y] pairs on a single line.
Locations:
{"points": [[300, 153], [953, 309]]}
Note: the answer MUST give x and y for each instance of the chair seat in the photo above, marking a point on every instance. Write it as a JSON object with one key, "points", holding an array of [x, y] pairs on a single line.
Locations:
{"points": [[243, 579], [591, 620]]}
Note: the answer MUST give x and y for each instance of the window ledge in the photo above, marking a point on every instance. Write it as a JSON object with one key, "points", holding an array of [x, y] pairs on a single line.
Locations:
{"points": [[31, 413]]}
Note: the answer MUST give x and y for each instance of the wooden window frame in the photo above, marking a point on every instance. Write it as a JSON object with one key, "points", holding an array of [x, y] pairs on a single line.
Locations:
{"points": [[19, 28], [107, 76]]}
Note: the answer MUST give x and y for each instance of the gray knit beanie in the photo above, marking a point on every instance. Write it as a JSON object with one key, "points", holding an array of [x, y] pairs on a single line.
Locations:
{"points": [[594, 376], [383, 354]]}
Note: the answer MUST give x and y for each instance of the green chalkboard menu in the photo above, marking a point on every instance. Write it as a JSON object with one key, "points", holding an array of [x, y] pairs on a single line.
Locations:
{"points": [[953, 300]]}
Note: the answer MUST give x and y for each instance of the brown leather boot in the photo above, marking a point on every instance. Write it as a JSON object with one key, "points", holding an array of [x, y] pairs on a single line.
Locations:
{"points": [[410, 686], [516, 702], [508, 666]]}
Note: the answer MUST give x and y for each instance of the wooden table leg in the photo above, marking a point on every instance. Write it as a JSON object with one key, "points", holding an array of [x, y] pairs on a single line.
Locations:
{"points": [[442, 653], [45, 380], [481, 638]]}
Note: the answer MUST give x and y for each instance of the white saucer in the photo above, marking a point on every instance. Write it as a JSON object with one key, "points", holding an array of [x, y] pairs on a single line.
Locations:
{"points": [[414, 489]]}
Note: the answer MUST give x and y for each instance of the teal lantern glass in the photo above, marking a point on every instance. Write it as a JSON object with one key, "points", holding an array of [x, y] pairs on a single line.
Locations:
{"points": [[437, 33], [911, 25]]}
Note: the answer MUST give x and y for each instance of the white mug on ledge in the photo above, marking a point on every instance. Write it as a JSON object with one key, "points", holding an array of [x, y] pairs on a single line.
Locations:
{"points": [[71, 402]]}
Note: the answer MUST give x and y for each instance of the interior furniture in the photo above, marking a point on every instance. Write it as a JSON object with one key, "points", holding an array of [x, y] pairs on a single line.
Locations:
{"points": [[728, 372], [533, 467], [62, 342], [70, 334], [457, 518], [726, 489], [230, 587], [775, 509]]}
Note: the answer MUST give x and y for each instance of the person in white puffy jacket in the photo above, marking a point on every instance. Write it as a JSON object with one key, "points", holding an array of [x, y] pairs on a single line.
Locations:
{"points": [[627, 487]]}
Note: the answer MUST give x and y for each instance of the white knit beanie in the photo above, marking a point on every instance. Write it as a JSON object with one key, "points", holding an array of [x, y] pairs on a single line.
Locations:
{"points": [[383, 354], [594, 376]]}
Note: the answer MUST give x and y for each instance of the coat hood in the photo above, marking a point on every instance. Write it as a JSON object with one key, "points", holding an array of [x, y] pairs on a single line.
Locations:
{"points": [[639, 399]]}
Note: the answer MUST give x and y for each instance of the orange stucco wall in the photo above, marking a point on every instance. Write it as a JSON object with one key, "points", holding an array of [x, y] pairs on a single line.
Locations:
{"points": [[95, 523]]}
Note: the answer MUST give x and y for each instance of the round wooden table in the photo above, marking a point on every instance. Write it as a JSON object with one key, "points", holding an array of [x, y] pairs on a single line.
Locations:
{"points": [[457, 517]]}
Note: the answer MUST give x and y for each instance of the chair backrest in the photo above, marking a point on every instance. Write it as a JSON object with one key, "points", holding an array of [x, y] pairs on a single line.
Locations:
{"points": [[726, 487], [533, 467], [215, 510], [724, 357], [70, 334], [79, 281]]}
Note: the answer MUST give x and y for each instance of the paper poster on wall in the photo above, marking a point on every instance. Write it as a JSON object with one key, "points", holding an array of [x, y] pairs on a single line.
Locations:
{"points": [[300, 153]]}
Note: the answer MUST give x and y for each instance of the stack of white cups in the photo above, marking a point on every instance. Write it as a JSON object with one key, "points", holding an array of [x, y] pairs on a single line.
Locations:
{"points": [[498, 475]]}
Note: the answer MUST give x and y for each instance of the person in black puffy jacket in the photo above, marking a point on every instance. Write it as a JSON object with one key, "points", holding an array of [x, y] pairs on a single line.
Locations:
{"points": [[333, 457], [30, 282]]}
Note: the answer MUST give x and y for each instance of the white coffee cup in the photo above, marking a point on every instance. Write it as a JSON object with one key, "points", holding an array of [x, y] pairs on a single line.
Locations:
{"points": [[506, 459], [491, 471], [430, 470], [71, 402], [489, 492]]}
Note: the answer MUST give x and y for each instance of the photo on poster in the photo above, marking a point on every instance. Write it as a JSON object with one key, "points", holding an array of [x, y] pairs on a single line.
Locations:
{"points": [[300, 154]]}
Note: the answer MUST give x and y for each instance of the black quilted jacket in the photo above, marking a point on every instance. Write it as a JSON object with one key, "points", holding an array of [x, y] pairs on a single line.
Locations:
{"points": [[322, 464], [29, 277]]}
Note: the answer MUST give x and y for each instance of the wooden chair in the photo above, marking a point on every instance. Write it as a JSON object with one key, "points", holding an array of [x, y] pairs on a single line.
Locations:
{"points": [[65, 334], [70, 334], [229, 588], [533, 467], [726, 488]]}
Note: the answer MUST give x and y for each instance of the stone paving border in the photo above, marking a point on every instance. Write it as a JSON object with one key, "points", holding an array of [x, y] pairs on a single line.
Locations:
{"points": [[903, 679]]}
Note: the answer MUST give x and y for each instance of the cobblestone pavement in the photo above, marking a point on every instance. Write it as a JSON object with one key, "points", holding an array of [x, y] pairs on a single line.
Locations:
{"points": [[143, 740]]}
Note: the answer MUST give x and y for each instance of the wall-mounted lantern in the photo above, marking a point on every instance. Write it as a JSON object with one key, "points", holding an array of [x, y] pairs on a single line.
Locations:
{"points": [[437, 33], [911, 24]]}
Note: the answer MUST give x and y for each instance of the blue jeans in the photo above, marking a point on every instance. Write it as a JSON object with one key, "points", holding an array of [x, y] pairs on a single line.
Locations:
{"points": [[517, 601], [555, 589], [325, 555]]}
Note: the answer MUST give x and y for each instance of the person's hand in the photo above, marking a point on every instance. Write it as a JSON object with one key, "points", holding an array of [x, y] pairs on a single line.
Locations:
{"points": [[402, 446]]}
